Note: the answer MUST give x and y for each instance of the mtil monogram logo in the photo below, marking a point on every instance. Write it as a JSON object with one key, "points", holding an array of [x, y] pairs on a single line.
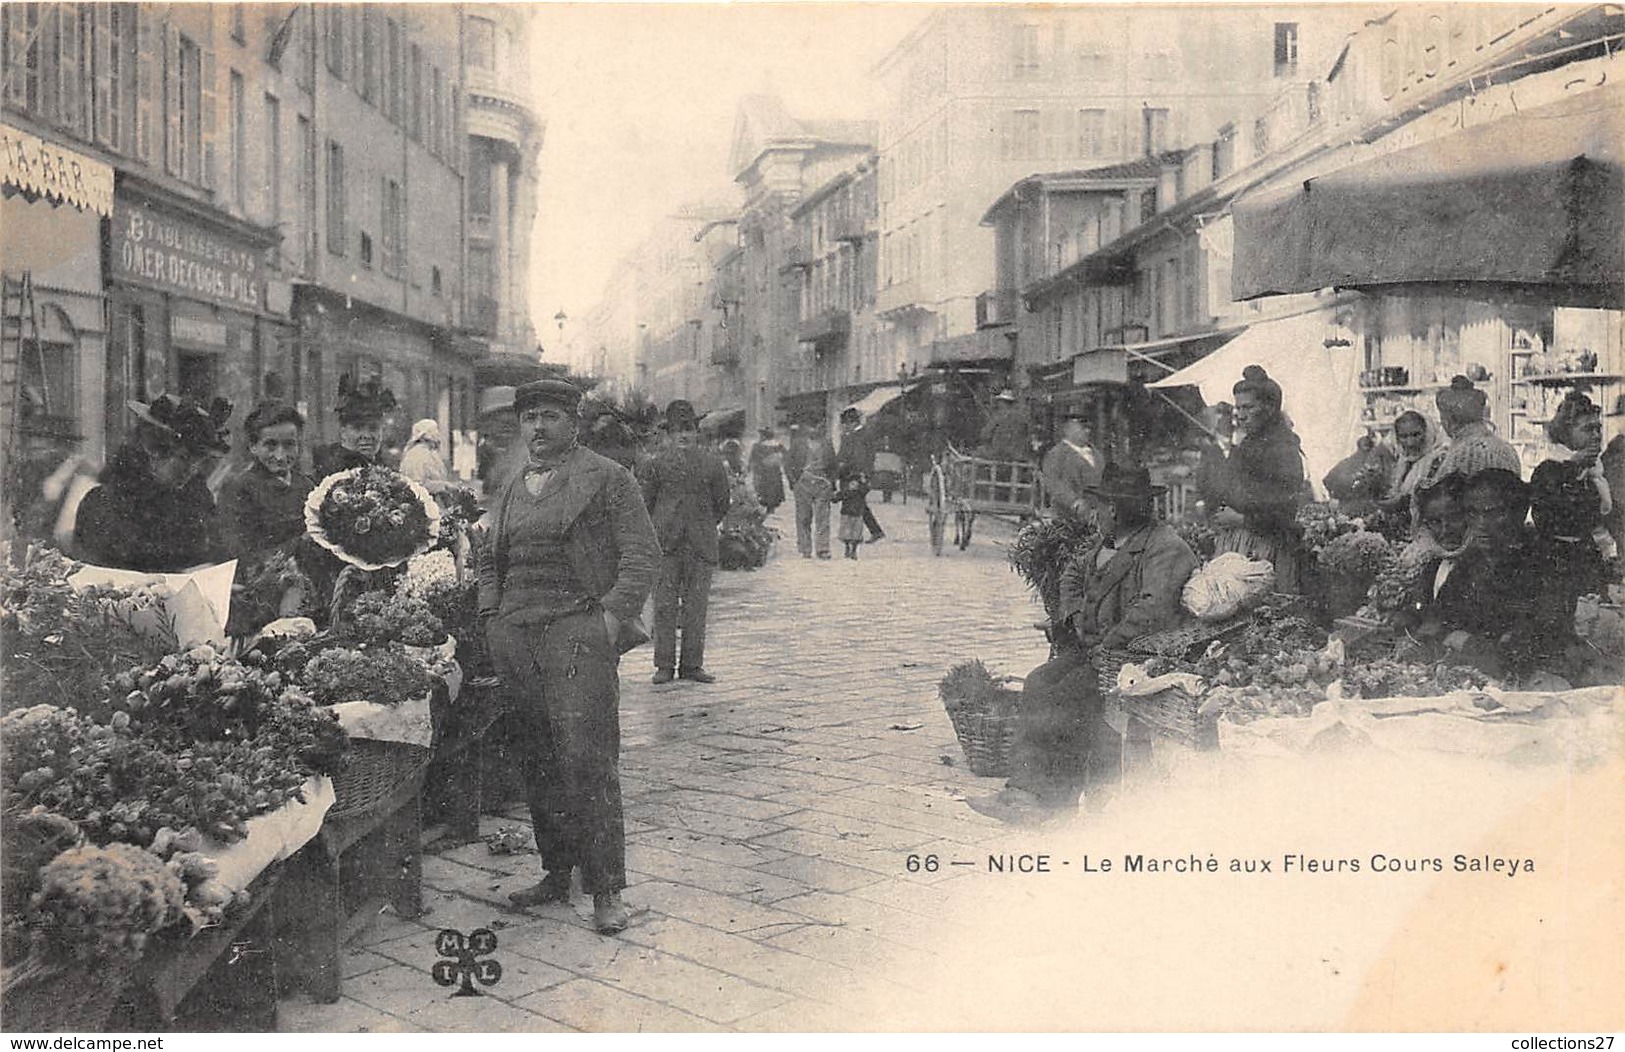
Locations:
{"points": [[464, 962]]}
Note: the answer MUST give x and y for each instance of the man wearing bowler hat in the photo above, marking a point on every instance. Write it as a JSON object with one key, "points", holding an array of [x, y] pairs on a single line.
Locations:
{"points": [[687, 492], [563, 579], [1126, 584]]}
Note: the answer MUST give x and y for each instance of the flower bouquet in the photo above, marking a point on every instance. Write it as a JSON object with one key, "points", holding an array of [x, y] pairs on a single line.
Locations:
{"points": [[1041, 551], [372, 517]]}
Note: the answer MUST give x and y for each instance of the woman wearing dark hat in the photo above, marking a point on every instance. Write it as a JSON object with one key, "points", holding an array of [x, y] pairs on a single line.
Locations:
{"points": [[1260, 484], [361, 412], [153, 510], [1126, 584], [1570, 499], [571, 557]]}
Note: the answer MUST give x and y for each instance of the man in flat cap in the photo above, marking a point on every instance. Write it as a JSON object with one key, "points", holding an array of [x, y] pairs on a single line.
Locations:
{"points": [[562, 582], [687, 492]]}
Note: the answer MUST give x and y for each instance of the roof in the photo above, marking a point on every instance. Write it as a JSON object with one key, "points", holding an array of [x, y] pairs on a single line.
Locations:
{"points": [[763, 122], [1110, 177]]}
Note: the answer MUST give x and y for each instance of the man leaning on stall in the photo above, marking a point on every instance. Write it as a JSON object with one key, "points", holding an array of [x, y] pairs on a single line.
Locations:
{"points": [[571, 559], [1126, 584]]}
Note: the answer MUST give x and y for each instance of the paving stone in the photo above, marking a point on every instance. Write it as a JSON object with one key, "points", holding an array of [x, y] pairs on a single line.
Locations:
{"points": [[300, 1015], [756, 884], [602, 1008], [485, 1015], [707, 992], [865, 953], [358, 961], [718, 911], [716, 849], [564, 942]]}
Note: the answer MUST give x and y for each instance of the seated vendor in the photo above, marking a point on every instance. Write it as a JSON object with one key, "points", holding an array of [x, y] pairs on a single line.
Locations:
{"points": [[1493, 601], [1126, 584]]}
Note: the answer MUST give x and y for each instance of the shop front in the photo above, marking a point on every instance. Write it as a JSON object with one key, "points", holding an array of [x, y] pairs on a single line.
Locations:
{"points": [[189, 308], [53, 205]]}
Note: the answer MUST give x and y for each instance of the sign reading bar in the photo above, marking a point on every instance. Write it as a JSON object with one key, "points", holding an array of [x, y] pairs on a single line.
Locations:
{"points": [[33, 165], [180, 255]]}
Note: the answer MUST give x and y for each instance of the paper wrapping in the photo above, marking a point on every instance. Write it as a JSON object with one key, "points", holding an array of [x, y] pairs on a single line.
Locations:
{"points": [[199, 600], [272, 837]]}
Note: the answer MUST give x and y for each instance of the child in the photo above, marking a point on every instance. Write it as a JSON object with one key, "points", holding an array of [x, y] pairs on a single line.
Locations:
{"points": [[854, 502]]}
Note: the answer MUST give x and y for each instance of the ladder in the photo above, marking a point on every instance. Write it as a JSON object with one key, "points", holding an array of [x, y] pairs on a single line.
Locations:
{"points": [[19, 330]]}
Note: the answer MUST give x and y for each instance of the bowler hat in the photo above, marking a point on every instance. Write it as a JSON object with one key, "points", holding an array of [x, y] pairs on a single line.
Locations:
{"points": [[188, 424], [680, 416], [1125, 483], [552, 392]]}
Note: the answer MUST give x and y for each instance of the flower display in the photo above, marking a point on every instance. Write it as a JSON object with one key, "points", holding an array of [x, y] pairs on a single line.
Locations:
{"points": [[1357, 555], [372, 517], [1322, 524], [385, 675], [97, 902], [1041, 551], [396, 617]]}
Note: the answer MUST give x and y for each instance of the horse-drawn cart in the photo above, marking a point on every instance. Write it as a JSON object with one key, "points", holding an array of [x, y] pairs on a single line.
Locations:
{"points": [[980, 486]]}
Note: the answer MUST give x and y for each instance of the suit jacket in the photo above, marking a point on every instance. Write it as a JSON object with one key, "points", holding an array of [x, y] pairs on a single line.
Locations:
{"points": [[856, 458], [687, 493], [1136, 592], [258, 512], [607, 538], [1066, 475]]}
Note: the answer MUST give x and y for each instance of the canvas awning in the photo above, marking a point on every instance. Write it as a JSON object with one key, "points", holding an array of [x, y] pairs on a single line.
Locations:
{"points": [[1532, 198], [878, 399], [718, 418], [1318, 388]]}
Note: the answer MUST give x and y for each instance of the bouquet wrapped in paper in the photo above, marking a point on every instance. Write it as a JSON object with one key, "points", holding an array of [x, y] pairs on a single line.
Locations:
{"points": [[372, 517]]}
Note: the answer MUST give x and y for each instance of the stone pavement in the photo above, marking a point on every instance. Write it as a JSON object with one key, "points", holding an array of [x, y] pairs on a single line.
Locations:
{"points": [[770, 818]]}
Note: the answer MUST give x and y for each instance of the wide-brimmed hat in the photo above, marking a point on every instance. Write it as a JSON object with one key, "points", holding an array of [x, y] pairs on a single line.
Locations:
{"points": [[363, 402], [425, 429], [547, 392], [1124, 483], [187, 423], [680, 416]]}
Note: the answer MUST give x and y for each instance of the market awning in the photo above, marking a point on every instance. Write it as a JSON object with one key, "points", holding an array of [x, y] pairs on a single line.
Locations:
{"points": [[719, 418], [1318, 387], [878, 399], [32, 165], [1532, 198]]}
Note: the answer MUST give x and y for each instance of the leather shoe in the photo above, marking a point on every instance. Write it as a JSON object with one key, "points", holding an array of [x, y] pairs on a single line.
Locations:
{"points": [[878, 537], [609, 914], [555, 887], [698, 675], [1012, 807], [662, 675]]}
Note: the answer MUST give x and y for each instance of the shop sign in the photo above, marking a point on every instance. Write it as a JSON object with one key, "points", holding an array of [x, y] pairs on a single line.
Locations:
{"points": [[182, 256], [33, 165], [197, 331], [1105, 365]]}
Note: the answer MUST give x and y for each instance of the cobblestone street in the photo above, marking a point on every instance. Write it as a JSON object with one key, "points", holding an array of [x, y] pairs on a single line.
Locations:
{"points": [[769, 817]]}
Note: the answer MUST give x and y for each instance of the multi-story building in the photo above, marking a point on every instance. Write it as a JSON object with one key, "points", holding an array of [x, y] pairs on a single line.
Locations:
{"points": [[778, 160], [283, 193], [978, 98], [838, 346]]}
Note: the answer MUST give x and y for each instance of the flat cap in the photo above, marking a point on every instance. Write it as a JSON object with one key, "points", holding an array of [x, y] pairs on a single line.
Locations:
{"points": [[555, 392]]}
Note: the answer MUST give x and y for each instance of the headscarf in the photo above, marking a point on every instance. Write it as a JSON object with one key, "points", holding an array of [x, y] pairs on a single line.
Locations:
{"points": [[1406, 475], [425, 430]]}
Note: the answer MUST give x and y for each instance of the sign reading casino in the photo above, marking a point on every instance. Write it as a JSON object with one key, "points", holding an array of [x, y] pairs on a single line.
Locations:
{"points": [[162, 250]]}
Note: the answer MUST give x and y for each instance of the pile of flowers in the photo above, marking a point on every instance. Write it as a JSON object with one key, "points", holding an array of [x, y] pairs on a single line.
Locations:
{"points": [[744, 540], [971, 686], [1323, 523], [104, 902], [1041, 550], [385, 675], [372, 517], [396, 617]]}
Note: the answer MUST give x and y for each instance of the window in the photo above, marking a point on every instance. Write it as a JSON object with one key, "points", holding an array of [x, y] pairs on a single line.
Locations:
{"points": [[1156, 131], [1024, 51], [432, 130], [273, 157], [238, 32], [414, 97], [391, 79], [1261, 136], [239, 140], [338, 51], [366, 249], [1091, 133], [393, 231], [1021, 135], [113, 45], [481, 43], [435, 282], [184, 95], [369, 55], [1224, 152], [1286, 49], [335, 198], [307, 193], [1148, 204]]}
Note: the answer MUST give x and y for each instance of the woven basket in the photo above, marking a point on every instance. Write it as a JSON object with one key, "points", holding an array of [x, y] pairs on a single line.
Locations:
{"points": [[986, 737], [1171, 712], [374, 773]]}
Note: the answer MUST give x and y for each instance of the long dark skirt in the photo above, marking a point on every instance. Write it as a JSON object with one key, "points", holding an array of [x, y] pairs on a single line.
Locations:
{"points": [[1063, 745]]}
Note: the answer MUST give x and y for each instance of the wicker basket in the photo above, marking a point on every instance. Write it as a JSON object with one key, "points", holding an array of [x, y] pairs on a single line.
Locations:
{"points": [[986, 737], [1172, 712], [376, 773]]}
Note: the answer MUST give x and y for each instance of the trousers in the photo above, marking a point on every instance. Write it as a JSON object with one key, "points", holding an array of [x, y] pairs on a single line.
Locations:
{"points": [[1062, 743], [812, 513], [563, 689], [682, 599]]}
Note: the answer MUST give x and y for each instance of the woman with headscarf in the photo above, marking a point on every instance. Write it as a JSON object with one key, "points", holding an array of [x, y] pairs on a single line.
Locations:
{"points": [[1474, 447], [422, 461], [1419, 446], [1570, 499], [1253, 493], [153, 510]]}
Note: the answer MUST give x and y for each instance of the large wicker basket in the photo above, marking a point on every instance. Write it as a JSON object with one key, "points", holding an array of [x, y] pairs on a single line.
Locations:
{"points": [[1172, 712], [986, 737]]}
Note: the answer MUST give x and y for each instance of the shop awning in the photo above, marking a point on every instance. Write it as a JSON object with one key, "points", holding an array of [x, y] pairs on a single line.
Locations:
{"points": [[722, 417], [1318, 388], [878, 399], [1532, 198], [32, 165]]}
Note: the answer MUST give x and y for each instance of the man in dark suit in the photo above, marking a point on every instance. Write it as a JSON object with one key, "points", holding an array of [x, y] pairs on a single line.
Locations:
{"points": [[687, 492], [856, 461], [1071, 468]]}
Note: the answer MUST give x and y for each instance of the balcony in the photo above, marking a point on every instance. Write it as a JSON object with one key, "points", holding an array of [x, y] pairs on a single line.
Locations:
{"points": [[828, 326], [850, 228], [980, 346], [481, 315], [996, 309], [725, 346]]}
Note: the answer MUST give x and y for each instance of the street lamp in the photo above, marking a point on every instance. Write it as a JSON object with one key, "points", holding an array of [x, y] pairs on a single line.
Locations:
{"points": [[560, 318]]}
